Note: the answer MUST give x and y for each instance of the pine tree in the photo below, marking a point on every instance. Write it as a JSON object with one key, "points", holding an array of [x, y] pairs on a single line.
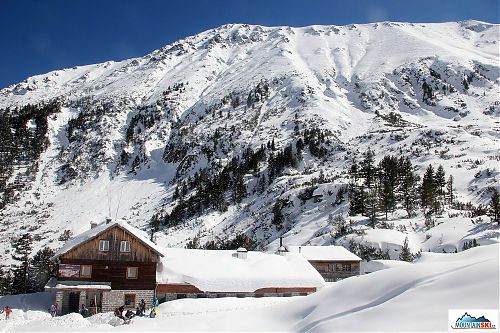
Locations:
{"points": [[300, 148], [371, 206], [154, 224], [43, 268], [449, 190], [428, 189], [495, 206], [408, 185], [239, 188], [440, 182], [277, 215], [388, 177], [261, 185], [5, 282], [368, 168], [406, 254], [356, 199], [21, 283]]}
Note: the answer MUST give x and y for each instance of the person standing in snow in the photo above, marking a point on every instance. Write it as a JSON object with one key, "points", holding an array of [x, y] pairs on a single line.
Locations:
{"points": [[53, 310], [142, 306], [155, 304], [7, 311]]}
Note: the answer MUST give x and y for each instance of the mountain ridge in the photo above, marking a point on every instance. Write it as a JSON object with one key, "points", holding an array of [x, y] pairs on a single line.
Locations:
{"points": [[123, 137]]}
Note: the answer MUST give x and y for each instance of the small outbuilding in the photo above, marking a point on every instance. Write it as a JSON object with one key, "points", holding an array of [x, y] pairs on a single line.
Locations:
{"points": [[332, 262]]}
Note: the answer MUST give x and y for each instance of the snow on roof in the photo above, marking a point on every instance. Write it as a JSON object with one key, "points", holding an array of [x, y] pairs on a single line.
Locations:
{"points": [[330, 253], [94, 232], [222, 271], [54, 284]]}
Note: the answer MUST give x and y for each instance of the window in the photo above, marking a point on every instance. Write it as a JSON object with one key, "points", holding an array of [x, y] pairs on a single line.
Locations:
{"points": [[346, 267], [129, 300], [104, 245], [322, 268], [132, 272], [85, 271], [124, 246]]}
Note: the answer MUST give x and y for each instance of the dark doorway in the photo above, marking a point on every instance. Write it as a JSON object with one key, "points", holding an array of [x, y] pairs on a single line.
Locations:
{"points": [[74, 300]]}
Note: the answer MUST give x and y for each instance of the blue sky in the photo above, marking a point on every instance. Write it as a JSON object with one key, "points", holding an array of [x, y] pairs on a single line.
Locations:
{"points": [[38, 36]]}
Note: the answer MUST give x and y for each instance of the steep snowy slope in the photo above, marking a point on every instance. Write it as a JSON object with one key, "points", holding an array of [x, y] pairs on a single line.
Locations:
{"points": [[124, 138]]}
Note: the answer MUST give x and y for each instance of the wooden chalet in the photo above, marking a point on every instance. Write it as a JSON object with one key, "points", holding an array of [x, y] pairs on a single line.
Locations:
{"points": [[110, 265], [332, 262], [114, 264]]}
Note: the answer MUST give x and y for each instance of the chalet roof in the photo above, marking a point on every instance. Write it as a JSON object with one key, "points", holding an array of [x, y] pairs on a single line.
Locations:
{"points": [[223, 271], [326, 253], [99, 229]]}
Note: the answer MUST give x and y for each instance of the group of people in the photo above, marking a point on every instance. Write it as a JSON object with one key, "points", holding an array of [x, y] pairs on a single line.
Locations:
{"points": [[7, 310], [140, 311]]}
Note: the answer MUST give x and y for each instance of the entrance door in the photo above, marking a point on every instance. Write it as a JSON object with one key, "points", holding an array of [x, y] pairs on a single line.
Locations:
{"points": [[94, 302], [74, 299]]}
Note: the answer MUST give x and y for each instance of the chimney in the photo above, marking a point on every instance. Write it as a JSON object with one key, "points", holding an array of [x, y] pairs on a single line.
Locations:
{"points": [[241, 253], [281, 249], [300, 248], [93, 225]]}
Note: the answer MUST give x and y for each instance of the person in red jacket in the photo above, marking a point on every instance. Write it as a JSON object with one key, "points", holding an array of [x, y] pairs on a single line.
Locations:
{"points": [[7, 311]]}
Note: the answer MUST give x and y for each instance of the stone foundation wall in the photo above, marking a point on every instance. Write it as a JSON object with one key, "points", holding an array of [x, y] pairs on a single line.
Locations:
{"points": [[59, 301], [116, 298], [83, 298]]}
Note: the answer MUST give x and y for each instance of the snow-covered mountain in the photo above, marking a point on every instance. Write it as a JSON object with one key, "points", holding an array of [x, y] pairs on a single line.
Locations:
{"points": [[198, 119]]}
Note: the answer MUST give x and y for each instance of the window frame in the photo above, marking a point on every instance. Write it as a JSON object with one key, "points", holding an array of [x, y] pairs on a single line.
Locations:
{"points": [[346, 268], [103, 241], [127, 243], [86, 276], [125, 300], [136, 273]]}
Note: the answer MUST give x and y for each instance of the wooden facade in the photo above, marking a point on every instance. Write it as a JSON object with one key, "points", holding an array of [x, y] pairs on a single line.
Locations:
{"points": [[116, 273], [139, 252], [111, 266], [127, 265], [334, 270]]}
